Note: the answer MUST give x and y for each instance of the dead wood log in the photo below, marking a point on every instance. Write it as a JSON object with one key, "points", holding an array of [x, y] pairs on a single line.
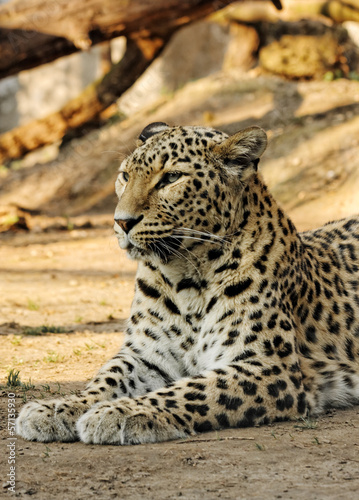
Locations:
{"points": [[34, 32], [85, 107]]}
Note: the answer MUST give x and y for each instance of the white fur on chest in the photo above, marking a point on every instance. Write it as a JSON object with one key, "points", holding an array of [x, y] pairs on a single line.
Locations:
{"points": [[200, 346]]}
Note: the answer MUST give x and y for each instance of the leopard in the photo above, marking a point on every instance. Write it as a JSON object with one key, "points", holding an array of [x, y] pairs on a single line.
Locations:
{"points": [[237, 319]]}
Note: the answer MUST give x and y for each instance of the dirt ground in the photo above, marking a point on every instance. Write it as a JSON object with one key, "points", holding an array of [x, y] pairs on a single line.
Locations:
{"points": [[80, 281]]}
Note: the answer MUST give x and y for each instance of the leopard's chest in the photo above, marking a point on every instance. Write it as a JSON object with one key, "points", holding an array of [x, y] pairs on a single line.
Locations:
{"points": [[211, 336], [199, 322]]}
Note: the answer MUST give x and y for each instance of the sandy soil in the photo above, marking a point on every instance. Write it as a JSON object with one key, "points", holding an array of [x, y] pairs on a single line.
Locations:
{"points": [[88, 291]]}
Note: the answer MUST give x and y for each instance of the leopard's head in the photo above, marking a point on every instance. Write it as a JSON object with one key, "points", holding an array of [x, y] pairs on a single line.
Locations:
{"points": [[181, 188]]}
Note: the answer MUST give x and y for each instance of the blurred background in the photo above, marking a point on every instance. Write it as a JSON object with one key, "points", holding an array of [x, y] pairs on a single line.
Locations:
{"points": [[79, 81], [74, 95]]}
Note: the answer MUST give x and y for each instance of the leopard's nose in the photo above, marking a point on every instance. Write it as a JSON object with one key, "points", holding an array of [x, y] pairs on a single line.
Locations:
{"points": [[127, 224]]}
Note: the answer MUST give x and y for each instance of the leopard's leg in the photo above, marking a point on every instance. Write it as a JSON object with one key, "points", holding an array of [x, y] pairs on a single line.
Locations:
{"points": [[55, 420], [237, 396]]}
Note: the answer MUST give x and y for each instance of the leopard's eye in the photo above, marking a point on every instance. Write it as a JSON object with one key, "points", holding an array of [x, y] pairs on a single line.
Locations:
{"points": [[172, 177], [124, 177], [169, 178]]}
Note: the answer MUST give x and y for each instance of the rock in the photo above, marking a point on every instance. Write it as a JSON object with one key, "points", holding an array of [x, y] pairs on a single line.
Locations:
{"points": [[307, 49], [301, 56], [33, 94]]}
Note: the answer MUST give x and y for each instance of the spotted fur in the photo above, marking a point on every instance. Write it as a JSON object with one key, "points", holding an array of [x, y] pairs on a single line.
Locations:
{"points": [[237, 319]]}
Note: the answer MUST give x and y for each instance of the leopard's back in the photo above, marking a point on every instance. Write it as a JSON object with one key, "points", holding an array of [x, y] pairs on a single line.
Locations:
{"points": [[328, 323]]}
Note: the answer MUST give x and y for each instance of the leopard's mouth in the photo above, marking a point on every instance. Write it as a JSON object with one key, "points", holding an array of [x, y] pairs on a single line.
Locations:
{"points": [[163, 248]]}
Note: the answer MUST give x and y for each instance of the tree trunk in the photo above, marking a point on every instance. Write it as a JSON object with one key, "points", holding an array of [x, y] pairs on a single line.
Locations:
{"points": [[35, 32]]}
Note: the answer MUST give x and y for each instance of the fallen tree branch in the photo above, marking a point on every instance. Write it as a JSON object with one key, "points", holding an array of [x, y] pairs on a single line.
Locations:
{"points": [[85, 107], [35, 32]]}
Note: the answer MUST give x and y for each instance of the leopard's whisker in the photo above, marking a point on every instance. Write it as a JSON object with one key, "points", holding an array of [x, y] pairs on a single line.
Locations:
{"points": [[180, 255], [204, 233], [185, 237]]}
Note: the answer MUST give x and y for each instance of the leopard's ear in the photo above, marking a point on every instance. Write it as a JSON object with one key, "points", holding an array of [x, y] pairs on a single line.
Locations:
{"points": [[243, 150], [152, 129]]}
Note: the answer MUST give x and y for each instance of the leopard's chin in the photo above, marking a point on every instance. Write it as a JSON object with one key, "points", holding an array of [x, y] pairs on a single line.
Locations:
{"points": [[134, 252]]}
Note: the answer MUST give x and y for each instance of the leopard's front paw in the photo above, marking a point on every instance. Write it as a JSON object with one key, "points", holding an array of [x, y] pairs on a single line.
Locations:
{"points": [[123, 424], [53, 420], [101, 424]]}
